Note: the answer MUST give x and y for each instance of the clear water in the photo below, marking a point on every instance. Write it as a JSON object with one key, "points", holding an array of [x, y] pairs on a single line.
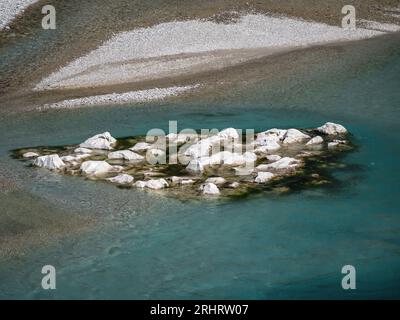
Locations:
{"points": [[260, 247]]}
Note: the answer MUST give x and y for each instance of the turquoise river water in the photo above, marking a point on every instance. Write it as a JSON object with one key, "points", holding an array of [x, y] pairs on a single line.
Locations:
{"points": [[259, 247]]}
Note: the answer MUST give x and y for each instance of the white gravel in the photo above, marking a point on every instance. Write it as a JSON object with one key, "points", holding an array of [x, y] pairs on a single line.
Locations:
{"points": [[9, 9], [120, 98], [196, 36]]}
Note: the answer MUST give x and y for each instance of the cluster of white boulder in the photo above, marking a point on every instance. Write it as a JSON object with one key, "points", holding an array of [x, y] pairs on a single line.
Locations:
{"points": [[96, 157]]}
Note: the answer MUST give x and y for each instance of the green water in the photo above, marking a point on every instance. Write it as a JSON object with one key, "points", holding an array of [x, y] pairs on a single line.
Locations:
{"points": [[291, 246]]}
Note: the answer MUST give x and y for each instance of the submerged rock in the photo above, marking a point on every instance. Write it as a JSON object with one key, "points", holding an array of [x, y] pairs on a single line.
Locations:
{"points": [[337, 143], [285, 164], [331, 128], [122, 179], [51, 162], [210, 188], [154, 184], [100, 141]]}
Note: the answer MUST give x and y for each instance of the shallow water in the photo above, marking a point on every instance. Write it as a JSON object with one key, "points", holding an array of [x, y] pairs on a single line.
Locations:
{"points": [[291, 246]]}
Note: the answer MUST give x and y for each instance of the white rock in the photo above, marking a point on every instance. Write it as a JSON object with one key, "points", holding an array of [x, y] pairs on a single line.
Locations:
{"points": [[278, 134], [125, 155], [285, 163], [140, 184], [331, 128], [95, 168], [81, 156], [210, 188], [157, 184], [315, 140], [100, 141], [216, 180], [273, 157], [83, 150], [68, 158], [234, 185], [181, 180], [230, 159], [51, 162], [200, 149], [155, 153], [243, 171], [249, 157], [295, 136], [123, 179], [229, 134], [263, 177], [30, 155], [179, 138], [141, 146], [195, 166], [269, 146]]}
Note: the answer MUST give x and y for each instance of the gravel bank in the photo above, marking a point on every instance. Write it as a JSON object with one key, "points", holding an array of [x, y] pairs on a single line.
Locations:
{"points": [[194, 36], [9, 9], [120, 98]]}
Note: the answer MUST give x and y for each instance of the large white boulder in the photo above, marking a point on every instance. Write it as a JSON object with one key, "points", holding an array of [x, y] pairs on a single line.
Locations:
{"points": [[95, 168], [100, 141], [122, 179], [125, 155], [331, 128], [294, 136], [315, 141], [263, 177], [284, 164], [51, 162], [210, 188]]}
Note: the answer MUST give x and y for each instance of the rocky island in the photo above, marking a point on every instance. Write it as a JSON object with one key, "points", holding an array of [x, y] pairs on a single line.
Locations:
{"points": [[191, 164]]}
